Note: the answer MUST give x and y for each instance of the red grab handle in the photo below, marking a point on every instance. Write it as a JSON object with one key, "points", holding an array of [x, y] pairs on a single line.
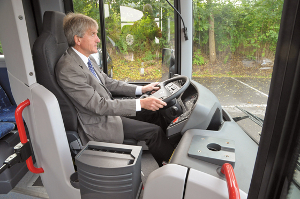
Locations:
{"points": [[22, 134], [233, 188]]}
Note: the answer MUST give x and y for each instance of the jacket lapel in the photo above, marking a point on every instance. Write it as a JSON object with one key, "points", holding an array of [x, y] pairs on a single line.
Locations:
{"points": [[78, 60], [83, 66]]}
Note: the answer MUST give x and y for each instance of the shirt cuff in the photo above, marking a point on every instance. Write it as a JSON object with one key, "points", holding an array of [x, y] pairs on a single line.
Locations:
{"points": [[138, 90], [138, 105]]}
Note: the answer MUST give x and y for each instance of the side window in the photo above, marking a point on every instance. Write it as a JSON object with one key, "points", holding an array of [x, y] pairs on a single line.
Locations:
{"points": [[137, 34]]}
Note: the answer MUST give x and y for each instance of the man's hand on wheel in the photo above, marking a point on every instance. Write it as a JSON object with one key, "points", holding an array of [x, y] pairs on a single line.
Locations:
{"points": [[151, 87], [152, 103]]}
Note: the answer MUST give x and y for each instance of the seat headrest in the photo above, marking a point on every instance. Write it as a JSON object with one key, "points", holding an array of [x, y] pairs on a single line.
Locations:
{"points": [[53, 23]]}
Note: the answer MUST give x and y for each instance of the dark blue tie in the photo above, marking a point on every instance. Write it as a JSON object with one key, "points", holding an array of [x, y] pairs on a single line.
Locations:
{"points": [[94, 73], [92, 69]]}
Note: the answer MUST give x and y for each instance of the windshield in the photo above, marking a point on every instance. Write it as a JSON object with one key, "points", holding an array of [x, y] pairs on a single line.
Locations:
{"points": [[234, 45]]}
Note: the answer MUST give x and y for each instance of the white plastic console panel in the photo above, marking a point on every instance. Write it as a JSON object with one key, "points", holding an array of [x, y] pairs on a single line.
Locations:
{"points": [[245, 153], [202, 186], [166, 182]]}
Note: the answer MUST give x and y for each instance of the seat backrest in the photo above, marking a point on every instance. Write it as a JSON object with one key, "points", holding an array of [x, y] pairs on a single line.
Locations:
{"points": [[47, 50]]}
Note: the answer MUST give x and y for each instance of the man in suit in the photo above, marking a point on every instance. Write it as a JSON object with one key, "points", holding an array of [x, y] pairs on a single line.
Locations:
{"points": [[101, 117]]}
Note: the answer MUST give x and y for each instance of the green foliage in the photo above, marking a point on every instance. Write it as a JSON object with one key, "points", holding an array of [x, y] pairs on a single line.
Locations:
{"points": [[249, 25], [198, 58], [1, 51], [121, 43], [148, 56], [226, 59], [144, 32], [87, 7], [112, 25]]}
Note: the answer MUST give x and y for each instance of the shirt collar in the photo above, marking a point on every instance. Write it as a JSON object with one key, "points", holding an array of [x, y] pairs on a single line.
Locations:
{"points": [[83, 57]]}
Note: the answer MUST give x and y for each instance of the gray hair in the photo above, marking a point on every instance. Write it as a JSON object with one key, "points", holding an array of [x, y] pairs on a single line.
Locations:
{"points": [[77, 24]]}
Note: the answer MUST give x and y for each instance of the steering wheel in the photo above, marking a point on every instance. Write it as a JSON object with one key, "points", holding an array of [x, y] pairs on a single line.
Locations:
{"points": [[169, 89]]}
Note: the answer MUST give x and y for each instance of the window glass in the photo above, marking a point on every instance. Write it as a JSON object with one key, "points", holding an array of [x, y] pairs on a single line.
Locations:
{"points": [[1, 51], [234, 44], [137, 32], [294, 189], [297, 173]]}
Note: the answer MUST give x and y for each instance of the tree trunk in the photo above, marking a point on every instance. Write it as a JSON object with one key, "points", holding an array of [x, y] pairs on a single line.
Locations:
{"points": [[212, 44]]}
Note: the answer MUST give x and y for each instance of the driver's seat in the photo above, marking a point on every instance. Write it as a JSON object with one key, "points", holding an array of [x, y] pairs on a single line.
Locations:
{"points": [[47, 50]]}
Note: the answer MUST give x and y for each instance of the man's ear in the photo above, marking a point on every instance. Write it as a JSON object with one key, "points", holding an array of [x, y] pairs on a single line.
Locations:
{"points": [[77, 40]]}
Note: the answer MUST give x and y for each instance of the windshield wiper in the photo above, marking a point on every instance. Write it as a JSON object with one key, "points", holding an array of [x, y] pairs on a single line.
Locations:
{"points": [[184, 28], [252, 117]]}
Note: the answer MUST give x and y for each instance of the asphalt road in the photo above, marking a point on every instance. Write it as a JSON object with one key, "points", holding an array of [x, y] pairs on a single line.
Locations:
{"points": [[249, 94]]}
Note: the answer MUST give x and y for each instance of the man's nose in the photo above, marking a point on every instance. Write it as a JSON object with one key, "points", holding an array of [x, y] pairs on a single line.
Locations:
{"points": [[98, 40]]}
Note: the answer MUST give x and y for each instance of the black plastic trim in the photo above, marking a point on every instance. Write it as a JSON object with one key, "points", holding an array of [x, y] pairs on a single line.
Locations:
{"points": [[185, 182], [177, 38], [68, 4], [103, 35]]}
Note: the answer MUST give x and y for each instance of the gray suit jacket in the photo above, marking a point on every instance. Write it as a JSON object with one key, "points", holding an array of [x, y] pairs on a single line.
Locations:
{"points": [[98, 114]]}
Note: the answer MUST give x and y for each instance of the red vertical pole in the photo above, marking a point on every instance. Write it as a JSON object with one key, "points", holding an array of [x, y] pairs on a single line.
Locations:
{"points": [[22, 134], [233, 188]]}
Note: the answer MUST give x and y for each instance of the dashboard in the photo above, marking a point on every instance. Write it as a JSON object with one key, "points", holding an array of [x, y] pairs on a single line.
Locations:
{"points": [[196, 108]]}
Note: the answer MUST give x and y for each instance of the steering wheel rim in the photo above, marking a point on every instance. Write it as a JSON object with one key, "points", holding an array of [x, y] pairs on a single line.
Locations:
{"points": [[172, 91]]}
